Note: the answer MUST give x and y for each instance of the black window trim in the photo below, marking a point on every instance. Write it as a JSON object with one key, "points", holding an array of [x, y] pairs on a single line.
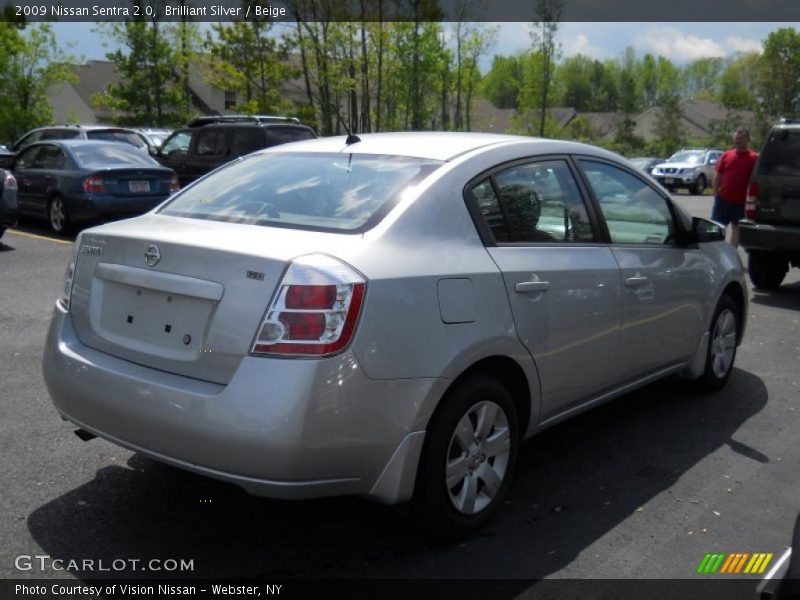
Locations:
{"points": [[680, 232], [485, 232]]}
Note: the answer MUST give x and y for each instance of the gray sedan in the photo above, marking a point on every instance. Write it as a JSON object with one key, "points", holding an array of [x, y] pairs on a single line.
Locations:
{"points": [[388, 316]]}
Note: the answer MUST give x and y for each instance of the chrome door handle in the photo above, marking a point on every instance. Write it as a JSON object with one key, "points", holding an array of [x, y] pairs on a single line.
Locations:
{"points": [[635, 281], [532, 286]]}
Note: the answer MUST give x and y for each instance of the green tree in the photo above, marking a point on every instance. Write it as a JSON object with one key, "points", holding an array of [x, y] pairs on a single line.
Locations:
{"points": [[779, 73], [243, 57], [30, 62], [150, 90], [737, 82], [501, 85]]}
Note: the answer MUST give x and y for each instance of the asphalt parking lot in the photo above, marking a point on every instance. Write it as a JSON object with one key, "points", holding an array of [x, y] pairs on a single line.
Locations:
{"points": [[642, 487]]}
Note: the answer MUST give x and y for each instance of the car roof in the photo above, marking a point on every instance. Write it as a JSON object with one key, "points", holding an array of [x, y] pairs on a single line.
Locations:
{"points": [[78, 143], [443, 146]]}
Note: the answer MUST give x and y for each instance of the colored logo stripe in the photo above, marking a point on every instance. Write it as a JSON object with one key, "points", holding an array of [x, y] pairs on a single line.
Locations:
{"points": [[741, 562]]}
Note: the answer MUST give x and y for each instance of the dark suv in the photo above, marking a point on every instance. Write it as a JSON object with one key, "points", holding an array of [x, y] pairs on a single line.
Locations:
{"points": [[194, 151], [771, 230]]}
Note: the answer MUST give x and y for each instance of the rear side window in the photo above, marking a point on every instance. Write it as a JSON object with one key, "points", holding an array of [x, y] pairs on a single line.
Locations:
{"points": [[245, 140], [534, 202], [211, 142], [60, 134], [781, 154], [50, 157], [324, 192], [284, 135]]}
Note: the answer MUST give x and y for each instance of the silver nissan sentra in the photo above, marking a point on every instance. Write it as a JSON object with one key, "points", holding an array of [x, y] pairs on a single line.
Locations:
{"points": [[388, 316]]}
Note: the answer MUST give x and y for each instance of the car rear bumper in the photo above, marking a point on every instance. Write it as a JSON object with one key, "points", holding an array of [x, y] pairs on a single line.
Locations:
{"points": [[778, 238], [97, 207], [279, 428]]}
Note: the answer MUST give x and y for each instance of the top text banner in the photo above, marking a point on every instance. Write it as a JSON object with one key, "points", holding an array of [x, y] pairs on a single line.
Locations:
{"points": [[402, 10]]}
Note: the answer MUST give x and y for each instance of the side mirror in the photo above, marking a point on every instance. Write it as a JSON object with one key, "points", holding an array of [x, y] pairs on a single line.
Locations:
{"points": [[704, 230]]}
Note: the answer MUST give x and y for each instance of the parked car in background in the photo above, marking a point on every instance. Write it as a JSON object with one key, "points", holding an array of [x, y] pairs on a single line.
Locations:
{"points": [[8, 201], [646, 164], [76, 181], [770, 231], [389, 315], [194, 151], [83, 132], [689, 168]]}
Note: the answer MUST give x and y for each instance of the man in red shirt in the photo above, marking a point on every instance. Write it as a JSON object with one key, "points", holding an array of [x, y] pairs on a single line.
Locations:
{"points": [[731, 178]]}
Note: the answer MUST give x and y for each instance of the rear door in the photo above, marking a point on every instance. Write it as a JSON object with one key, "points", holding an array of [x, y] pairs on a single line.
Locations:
{"points": [[665, 285], [563, 284], [24, 174], [778, 178]]}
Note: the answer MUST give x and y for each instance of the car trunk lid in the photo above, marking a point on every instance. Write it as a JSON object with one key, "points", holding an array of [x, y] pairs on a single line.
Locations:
{"points": [[182, 295]]}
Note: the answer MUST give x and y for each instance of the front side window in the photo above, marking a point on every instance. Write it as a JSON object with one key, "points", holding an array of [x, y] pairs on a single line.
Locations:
{"points": [[634, 212], [324, 192], [534, 202], [178, 142]]}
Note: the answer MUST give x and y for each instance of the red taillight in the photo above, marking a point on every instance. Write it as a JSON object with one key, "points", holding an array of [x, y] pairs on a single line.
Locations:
{"points": [[310, 297], [93, 184], [174, 186], [10, 183], [315, 311], [751, 201]]}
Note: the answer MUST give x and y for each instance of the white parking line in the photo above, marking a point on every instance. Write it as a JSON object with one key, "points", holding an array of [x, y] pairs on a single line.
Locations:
{"points": [[38, 237]]}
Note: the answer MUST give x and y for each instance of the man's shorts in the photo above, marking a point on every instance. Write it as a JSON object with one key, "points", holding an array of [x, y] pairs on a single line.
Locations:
{"points": [[725, 212]]}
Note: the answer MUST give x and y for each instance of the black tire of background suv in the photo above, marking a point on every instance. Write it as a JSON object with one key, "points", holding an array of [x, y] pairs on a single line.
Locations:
{"points": [[767, 269]]}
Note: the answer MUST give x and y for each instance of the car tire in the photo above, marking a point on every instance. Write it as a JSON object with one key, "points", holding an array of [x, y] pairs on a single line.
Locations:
{"points": [[699, 186], [721, 351], [57, 216], [767, 269], [468, 458]]}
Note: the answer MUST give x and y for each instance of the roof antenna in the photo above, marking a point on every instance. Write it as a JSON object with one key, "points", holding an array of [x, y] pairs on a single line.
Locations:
{"points": [[351, 139]]}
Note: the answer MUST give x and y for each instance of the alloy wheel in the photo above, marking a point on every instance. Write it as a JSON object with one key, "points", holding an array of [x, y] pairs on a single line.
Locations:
{"points": [[723, 343], [478, 457]]}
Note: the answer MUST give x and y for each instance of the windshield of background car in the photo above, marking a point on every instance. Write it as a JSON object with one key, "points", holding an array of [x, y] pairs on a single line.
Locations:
{"points": [[324, 192], [693, 158], [96, 156], [781, 154], [111, 135]]}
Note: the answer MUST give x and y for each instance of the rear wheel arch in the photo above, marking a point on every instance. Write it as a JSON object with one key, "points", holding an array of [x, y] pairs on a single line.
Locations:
{"points": [[508, 372]]}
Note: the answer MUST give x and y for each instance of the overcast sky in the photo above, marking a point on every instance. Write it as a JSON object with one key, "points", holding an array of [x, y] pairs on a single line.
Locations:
{"points": [[680, 42]]}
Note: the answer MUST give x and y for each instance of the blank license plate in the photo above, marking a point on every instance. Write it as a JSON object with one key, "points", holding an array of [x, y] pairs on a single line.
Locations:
{"points": [[670, 180], [139, 186]]}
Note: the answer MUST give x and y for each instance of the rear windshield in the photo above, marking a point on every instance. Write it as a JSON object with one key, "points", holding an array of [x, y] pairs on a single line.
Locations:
{"points": [[324, 192], [96, 156], [781, 154], [113, 135]]}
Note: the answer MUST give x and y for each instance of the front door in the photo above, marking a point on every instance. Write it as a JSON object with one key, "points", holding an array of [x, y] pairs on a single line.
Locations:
{"points": [[664, 284]]}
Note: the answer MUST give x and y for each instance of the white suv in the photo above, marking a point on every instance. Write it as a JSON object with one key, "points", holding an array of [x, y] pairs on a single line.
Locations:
{"points": [[693, 169]]}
